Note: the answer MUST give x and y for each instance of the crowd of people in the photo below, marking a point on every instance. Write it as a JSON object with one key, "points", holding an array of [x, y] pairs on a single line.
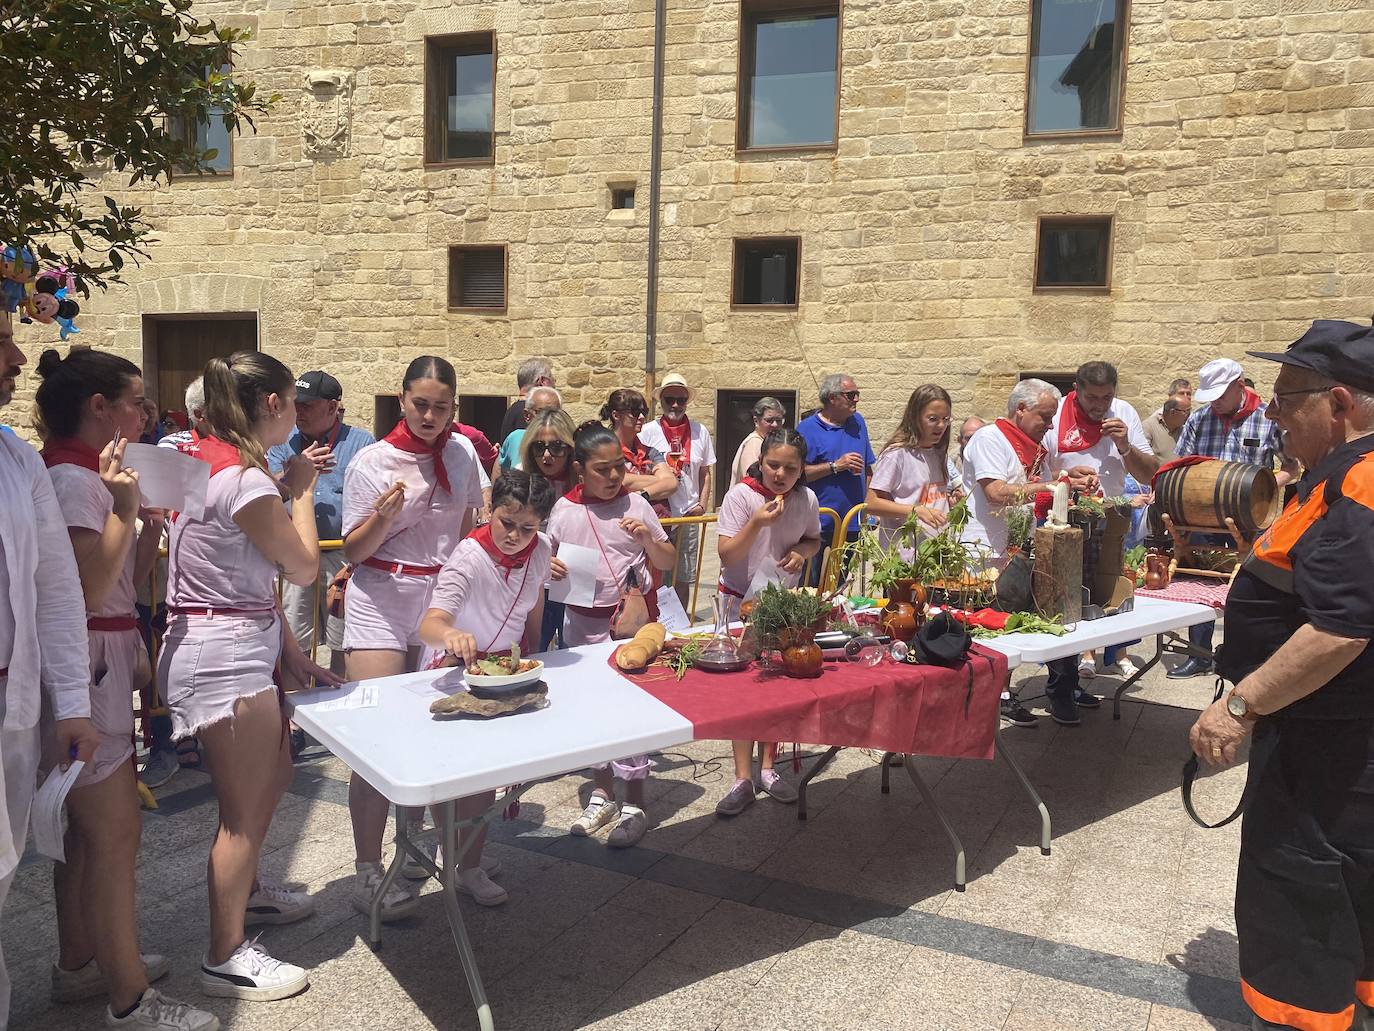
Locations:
{"points": [[448, 544]]}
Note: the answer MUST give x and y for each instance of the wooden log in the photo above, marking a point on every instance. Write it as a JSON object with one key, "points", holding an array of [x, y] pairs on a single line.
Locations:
{"points": [[1057, 583]]}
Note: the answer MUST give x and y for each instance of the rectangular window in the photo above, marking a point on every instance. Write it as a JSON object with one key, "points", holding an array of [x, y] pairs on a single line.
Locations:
{"points": [[1076, 69], [1074, 254], [205, 134], [766, 273], [460, 99], [788, 76], [623, 198], [477, 279]]}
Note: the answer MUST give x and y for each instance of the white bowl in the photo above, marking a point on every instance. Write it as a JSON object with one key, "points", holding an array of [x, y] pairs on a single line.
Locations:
{"points": [[509, 682]]}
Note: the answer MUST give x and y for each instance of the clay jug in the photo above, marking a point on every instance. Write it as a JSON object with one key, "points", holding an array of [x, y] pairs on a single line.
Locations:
{"points": [[901, 618], [802, 657], [1156, 571]]}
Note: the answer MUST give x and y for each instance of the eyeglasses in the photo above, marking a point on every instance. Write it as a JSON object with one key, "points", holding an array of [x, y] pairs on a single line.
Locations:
{"points": [[556, 448], [674, 399], [772, 420], [1276, 404], [850, 395]]}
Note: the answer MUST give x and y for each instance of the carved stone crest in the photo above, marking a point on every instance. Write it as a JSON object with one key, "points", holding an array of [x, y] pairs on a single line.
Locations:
{"points": [[326, 114]]}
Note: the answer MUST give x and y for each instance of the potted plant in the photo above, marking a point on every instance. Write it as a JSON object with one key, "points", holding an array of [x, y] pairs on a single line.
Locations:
{"points": [[786, 620]]}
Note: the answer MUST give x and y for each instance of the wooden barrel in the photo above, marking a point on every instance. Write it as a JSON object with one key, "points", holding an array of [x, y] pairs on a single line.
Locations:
{"points": [[1205, 493]]}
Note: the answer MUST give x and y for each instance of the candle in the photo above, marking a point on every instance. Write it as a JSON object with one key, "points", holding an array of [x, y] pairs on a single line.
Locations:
{"points": [[1059, 507]]}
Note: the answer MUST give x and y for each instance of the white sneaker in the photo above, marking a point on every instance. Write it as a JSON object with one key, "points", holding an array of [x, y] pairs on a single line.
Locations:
{"points": [[157, 1012], [1126, 669], [630, 828], [599, 812], [89, 981], [413, 871], [1087, 669], [396, 904], [252, 974], [277, 904], [484, 891]]}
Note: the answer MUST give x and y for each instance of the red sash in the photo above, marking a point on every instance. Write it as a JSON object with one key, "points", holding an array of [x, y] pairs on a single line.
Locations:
{"points": [[482, 535], [679, 439], [638, 459], [758, 488], [112, 624], [1027, 451], [1248, 406], [577, 497], [1077, 432], [219, 454], [402, 439], [70, 451]]}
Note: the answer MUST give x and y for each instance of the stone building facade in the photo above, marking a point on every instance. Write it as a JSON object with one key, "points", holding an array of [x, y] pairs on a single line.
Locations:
{"points": [[1241, 191]]}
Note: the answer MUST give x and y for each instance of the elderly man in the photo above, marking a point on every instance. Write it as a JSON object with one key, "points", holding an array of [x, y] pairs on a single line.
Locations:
{"points": [[195, 414], [1163, 427], [324, 437], [534, 372], [1002, 469], [839, 457], [538, 399], [1181, 390], [686, 444], [42, 634], [967, 429], [1229, 425], [1299, 618]]}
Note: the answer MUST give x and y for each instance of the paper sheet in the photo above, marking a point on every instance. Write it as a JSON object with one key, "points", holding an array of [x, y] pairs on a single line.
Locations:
{"points": [[579, 586], [363, 696], [169, 479], [49, 820]]}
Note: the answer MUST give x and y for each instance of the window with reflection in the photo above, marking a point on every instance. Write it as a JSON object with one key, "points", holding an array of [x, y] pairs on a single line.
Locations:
{"points": [[767, 272], [789, 76], [460, 98], [1074, 253], [206, 134], [1075, 72]]}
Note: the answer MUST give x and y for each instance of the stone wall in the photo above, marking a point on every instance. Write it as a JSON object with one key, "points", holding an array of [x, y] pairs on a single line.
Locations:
{"points": [[1242, 189]]}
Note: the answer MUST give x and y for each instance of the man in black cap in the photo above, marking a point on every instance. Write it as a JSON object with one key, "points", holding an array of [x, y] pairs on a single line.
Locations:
{"points": [[332, 444], [1299, 619]]}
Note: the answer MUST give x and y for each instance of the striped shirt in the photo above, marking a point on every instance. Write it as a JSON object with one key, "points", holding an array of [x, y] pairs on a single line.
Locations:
{"points": [[1254, 439]]}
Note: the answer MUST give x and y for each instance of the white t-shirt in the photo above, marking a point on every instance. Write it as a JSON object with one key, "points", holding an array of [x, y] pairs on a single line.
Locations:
{"points": [[800, 520], [212, 563], [489, 602], [1102, 456], [430, 522], [88, 504], [702, 456], [597, 527], [988, 456], [913, 477]]}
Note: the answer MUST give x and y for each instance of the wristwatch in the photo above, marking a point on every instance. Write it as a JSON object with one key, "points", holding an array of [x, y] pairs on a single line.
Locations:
{"points": [[832, 468], [645, 495], [1239, 707]]}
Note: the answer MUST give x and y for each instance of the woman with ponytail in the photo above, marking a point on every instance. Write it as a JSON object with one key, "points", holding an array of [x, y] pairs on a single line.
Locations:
{"points": [[225, 640], [89, 406], [408, 500]]}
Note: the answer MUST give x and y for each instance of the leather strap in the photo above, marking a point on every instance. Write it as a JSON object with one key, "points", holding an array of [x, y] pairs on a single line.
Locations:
{"points": [[218, 612], [401, 568], [1190, 771]]}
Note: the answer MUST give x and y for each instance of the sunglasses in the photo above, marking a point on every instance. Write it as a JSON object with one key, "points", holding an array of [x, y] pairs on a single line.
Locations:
{"points": [[674, 399], [850, 395], [556, 448], [634, 411], [773, 420]]}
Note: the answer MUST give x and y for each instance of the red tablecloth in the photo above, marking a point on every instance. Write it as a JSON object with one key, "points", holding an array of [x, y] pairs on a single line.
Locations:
{"points": [[916, 710], [1195, 590]]}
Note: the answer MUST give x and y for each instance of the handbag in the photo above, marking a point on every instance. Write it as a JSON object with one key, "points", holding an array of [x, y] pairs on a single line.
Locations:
{"points": [[338, 587], [636, 608]]}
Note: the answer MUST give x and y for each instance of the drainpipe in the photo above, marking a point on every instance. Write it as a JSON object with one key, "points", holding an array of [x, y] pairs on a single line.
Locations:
{"points": [[655, 172]]}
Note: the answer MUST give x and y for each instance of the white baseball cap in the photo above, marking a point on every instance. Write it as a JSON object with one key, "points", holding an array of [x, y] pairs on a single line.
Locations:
{"points": [[1214, 378]]}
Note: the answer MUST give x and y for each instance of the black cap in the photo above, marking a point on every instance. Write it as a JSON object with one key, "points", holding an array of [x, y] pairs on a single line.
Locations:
{"points": [[1342, 351], [318, 386]]}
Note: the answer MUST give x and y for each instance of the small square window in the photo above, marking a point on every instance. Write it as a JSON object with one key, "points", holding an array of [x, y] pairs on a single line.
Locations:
{"points": [[1074, 254], [789, 75], [766, 273], [622, 198], [477, 279], [460, 99], [206, 134]]}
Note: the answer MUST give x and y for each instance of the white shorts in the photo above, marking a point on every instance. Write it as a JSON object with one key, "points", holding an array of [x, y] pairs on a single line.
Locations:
{"points": [[208, 663], [579, 629], [383, 610], [114, 660]]}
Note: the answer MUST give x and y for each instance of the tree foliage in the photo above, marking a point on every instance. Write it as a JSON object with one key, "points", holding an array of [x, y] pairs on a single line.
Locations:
{"points": [[92, 85]]}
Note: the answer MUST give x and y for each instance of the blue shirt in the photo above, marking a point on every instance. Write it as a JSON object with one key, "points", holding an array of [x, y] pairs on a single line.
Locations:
{"points": [[510, 450], [329, 486], [826, 443]]}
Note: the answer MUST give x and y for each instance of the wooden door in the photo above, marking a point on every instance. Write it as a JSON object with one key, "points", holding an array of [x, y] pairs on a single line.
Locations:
{"points": [[176, 350], [735, 421]]}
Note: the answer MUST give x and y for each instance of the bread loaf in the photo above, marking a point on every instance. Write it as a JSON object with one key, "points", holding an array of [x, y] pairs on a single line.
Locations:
{"points": [[643, 648]]}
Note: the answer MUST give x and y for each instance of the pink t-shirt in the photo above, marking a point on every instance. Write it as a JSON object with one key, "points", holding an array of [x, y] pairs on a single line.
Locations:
{"points": [[86, 503], [430, 522], [598, 527], [917, 477], [211, 562], [801, 520], [489, 602]]}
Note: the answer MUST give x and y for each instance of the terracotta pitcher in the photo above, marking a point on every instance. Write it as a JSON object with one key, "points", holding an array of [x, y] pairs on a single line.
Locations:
{"points": [[901, 617], [1156, 571]]}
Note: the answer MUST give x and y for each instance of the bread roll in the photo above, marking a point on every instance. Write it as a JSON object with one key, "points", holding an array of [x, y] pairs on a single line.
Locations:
{"points": [[655, 632], [634, 655]]}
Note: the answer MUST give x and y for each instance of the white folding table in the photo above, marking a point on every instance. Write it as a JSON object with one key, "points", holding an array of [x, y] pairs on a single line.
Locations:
{"points": [[415, 760], [1150, 617]]}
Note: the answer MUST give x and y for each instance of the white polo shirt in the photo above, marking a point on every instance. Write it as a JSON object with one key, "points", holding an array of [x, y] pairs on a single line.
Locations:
{"points": [[1103, 457]]}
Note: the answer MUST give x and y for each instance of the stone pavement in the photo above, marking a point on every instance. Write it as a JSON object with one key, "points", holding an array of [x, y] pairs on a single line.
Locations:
{"points": [[846, 921]]}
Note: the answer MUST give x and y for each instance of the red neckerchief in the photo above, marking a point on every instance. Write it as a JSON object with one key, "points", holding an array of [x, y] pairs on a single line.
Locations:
{"points": [[1248, 406], [402, 439], [1027, 450], [577, 497], [219, 454], [758, 488], [1077, 432], [70, 451], [679, 439], [482, 535], [638, 459]]}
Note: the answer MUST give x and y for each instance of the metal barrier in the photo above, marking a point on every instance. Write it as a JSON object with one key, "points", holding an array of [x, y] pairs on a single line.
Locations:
{"points": [[830, 574], [700, 522]]}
